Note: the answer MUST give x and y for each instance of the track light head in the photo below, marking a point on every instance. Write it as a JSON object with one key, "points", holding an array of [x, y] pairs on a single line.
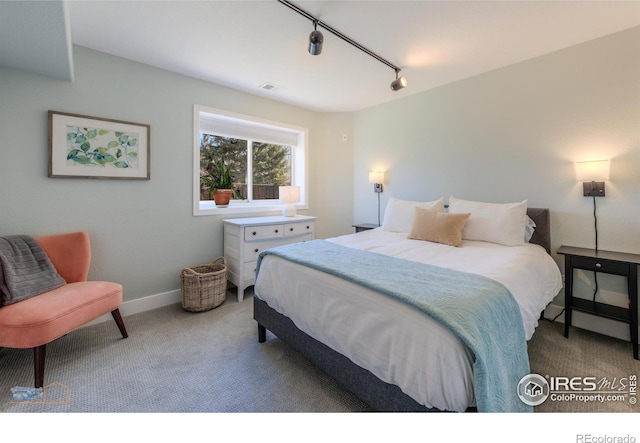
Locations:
{"points": [[315, 40], [398, 83]]}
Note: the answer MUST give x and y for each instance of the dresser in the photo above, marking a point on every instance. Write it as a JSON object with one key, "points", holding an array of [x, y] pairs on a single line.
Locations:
{"points": [[246, 238]]}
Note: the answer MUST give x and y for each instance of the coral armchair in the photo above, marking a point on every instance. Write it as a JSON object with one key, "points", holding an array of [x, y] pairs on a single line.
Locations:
{"points": [[39, 320]]}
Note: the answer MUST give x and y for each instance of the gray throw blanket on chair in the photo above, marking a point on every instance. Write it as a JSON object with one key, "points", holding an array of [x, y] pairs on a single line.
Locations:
{"points": [[25, 269]]}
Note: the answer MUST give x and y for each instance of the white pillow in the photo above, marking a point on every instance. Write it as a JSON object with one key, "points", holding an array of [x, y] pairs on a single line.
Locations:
{"points": [[502, 223], [529, 229], [399, 214]]}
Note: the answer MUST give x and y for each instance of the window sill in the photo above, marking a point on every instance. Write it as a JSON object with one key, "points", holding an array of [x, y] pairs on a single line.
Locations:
{"points": [[210, 208]]}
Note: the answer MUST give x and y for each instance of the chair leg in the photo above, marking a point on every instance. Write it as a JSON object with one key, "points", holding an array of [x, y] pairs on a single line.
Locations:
{"points": [[39, 354], [118, 318]]}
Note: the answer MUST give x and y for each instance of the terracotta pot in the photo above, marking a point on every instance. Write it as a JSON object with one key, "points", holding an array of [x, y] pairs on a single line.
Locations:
{"points": [[222, 197]]}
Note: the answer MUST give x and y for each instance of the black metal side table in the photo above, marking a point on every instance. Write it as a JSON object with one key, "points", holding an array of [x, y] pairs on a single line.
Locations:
{"points": [[364, 226], [608, 262]]}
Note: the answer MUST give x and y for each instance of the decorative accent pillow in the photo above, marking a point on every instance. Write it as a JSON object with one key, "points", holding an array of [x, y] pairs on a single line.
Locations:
{"points": [[502, 223], [399, 214], [439, 227]]}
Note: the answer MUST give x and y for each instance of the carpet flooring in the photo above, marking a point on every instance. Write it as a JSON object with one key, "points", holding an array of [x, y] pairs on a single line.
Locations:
{"points": [[178, 361]]}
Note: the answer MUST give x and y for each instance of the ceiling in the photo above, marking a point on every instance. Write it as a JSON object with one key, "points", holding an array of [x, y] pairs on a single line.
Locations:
{"points": [[245, 44]]}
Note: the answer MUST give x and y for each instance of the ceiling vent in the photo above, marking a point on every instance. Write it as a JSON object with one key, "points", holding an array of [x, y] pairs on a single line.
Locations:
{"points": [[269, 86]]}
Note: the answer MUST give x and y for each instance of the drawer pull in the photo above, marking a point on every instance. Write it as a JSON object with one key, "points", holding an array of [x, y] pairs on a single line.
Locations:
{"points": [[255, 250], [598, 265], [291, 229], [276, 231], [254, 233], [307, 227]]}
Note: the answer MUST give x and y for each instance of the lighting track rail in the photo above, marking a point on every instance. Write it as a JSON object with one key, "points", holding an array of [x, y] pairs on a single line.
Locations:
{"points": [[397, 84]]}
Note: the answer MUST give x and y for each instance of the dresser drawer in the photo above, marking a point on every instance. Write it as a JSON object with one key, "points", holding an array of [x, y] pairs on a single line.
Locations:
{"points": [[249, 271], [253, 249], [294, 229], [263, 232], [595, 264]]}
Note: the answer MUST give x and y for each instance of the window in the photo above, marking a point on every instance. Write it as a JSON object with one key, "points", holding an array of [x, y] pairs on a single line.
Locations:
{"points": [[257, 155], [270, 167]]}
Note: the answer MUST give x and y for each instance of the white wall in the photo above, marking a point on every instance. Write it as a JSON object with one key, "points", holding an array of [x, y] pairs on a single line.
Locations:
{"points": [[334, 174], [515, 133], [143, 232]]}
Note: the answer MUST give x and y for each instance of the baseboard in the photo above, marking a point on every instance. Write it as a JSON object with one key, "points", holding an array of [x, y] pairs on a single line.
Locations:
{"points": [[143, 304], [592, 323]]}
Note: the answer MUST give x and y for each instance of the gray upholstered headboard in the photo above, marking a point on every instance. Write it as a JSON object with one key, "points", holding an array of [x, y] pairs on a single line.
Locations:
{"points": [[542, 233]]}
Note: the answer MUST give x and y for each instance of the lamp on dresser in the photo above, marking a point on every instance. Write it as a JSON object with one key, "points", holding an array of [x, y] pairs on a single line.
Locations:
{"points": [[289, 195]]}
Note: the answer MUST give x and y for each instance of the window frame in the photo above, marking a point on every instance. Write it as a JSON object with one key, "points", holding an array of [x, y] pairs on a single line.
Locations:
{"points": [[299, 163]]}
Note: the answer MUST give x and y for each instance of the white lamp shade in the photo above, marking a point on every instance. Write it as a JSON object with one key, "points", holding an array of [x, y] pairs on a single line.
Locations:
{"points": [[289, 194], [597, 170], [376, 177]]}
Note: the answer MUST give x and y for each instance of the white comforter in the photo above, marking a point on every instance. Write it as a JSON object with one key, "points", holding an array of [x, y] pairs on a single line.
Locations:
{"points": [[397, 343]]}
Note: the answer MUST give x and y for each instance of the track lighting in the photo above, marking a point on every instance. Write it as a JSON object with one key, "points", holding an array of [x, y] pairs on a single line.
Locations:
{"points": [[315, 40], [398, 83]]}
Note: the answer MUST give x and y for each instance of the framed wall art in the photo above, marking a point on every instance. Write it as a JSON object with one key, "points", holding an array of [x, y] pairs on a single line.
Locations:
{"points": [[81, 146]]}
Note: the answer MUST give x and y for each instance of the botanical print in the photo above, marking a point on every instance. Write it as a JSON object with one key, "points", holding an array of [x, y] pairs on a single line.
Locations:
{"points": [[90, 147], [101, 147]]}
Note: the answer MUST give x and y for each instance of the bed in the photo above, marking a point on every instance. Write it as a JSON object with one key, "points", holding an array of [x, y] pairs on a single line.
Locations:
{"points": [[392, 355]]}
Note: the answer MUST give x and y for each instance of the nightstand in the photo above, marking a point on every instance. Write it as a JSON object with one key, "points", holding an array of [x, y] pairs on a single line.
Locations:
{"points": [[608, 262], [364, 226]]}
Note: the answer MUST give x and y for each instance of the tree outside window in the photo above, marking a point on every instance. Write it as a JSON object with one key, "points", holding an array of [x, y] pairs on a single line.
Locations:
{"points": [[256, 169]]}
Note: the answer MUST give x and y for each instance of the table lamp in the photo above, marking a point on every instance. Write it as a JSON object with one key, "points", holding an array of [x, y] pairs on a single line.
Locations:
{"points": [[289, 195]]}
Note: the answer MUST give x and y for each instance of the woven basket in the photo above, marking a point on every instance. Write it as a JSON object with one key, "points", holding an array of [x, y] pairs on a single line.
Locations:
{"points": [[204, 287]]}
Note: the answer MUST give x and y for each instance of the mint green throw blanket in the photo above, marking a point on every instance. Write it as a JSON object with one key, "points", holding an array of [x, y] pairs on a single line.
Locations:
{"points": [[481, 311]]}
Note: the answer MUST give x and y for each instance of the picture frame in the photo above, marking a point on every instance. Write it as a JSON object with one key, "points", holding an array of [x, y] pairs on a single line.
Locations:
{"points": [[82, 146]]}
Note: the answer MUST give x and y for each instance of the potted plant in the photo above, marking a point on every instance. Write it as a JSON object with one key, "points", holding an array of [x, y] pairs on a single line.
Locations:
{"points": [[218, 180]]}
